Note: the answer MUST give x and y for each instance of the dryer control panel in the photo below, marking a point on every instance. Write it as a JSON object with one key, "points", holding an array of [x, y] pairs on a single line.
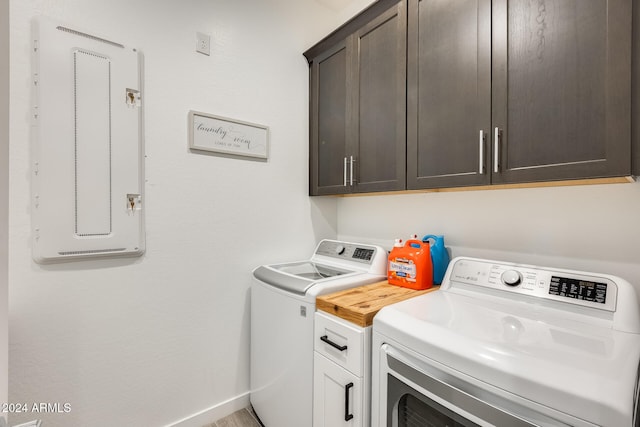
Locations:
{"points": [[579, 288]]}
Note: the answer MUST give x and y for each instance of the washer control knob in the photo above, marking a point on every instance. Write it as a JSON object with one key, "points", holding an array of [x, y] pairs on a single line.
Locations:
{"points": [[511, 278], [340, 249]]}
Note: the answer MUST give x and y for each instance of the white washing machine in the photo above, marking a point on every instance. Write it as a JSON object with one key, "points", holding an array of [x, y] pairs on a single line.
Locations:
{"points": [[504, 344], [283, 302]]}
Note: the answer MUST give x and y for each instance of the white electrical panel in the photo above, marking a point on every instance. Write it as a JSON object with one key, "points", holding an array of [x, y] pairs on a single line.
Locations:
{"points": [[88, 146]]}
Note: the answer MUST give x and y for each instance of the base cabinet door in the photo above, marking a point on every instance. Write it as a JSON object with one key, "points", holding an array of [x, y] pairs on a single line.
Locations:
{"points": [[337, 395]]}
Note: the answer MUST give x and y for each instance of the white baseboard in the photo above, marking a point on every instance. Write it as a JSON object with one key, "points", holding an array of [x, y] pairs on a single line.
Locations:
{"points": [[214, 413]]}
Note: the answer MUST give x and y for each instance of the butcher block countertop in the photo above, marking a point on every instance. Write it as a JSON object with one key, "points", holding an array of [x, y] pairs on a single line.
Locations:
{"points": [[359, 305]]}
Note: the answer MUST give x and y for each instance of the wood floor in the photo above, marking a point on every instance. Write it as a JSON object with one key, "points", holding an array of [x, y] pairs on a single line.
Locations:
{"points": [[242, 418]]}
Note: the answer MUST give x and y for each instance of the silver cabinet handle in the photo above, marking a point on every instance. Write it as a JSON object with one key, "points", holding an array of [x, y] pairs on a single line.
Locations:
{"points": [[344, 169], [481, 160], [496, 151], [351, 170]]}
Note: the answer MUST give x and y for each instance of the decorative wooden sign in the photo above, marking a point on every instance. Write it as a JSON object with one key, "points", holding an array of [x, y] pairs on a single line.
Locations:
{"points": [[223, 135]]}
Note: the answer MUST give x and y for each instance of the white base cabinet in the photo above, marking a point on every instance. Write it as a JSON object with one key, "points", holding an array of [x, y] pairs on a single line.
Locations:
{"points": [[338, 395], [341, 373]]}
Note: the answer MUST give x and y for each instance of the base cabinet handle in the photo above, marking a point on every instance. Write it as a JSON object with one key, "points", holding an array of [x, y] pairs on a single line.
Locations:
{"points": [[326, 339], [347, 415]]}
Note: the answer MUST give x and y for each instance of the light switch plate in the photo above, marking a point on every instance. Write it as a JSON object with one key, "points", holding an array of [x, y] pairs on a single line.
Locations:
{"points": [[203, 43]]}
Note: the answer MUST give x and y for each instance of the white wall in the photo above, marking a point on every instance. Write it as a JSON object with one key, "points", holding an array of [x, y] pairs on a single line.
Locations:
{"points": [[157, 339], [4, 199], [154, 340], [592, 228]]}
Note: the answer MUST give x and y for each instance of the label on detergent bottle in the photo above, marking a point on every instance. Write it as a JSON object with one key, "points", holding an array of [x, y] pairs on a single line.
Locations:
{"points": [[404, 268]]}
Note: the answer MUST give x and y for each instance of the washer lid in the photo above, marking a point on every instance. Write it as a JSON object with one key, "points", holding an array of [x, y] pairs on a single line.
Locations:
{"points": [[297, 277]]}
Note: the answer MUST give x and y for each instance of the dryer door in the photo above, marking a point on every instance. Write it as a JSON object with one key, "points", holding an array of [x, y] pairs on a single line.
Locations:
{"points": [[417, 393]]}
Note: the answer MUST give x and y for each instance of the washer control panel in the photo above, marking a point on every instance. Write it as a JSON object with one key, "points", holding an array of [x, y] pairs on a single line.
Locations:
{"points": [[584, 289], [346, 251]]}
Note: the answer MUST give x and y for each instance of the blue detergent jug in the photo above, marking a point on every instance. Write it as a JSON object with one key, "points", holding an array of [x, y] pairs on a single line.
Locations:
{"points": [[439, 257]]}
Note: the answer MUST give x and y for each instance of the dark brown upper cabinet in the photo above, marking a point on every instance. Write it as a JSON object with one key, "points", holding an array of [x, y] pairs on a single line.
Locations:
{"points": [[473, 93], [561, 84], [358, 105], [448, 93], [328, 123], [517, 91]]}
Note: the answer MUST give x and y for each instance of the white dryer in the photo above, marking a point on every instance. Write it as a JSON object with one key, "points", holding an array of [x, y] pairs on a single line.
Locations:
{"points": [[283, 302], [504, 344]]}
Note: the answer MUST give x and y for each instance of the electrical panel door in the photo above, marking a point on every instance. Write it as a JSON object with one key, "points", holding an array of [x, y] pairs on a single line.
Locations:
{"points": [[88, 150]]}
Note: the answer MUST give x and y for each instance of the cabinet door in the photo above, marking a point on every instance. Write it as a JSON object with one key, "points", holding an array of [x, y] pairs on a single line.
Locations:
{"points": [[449, 93], [337, 395], [377, 115], [561, 89], [328, 122]]}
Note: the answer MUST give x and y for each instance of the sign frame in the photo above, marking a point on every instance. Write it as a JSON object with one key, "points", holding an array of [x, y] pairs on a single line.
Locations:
{"points": [[208, 132]]}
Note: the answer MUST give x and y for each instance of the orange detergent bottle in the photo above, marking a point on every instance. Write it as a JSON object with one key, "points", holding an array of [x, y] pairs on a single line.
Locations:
{"points": [[410, 265]]}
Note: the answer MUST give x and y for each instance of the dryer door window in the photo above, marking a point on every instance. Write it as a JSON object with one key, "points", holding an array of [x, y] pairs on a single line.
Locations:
{"points": [[416, 410], [412, 407]]}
